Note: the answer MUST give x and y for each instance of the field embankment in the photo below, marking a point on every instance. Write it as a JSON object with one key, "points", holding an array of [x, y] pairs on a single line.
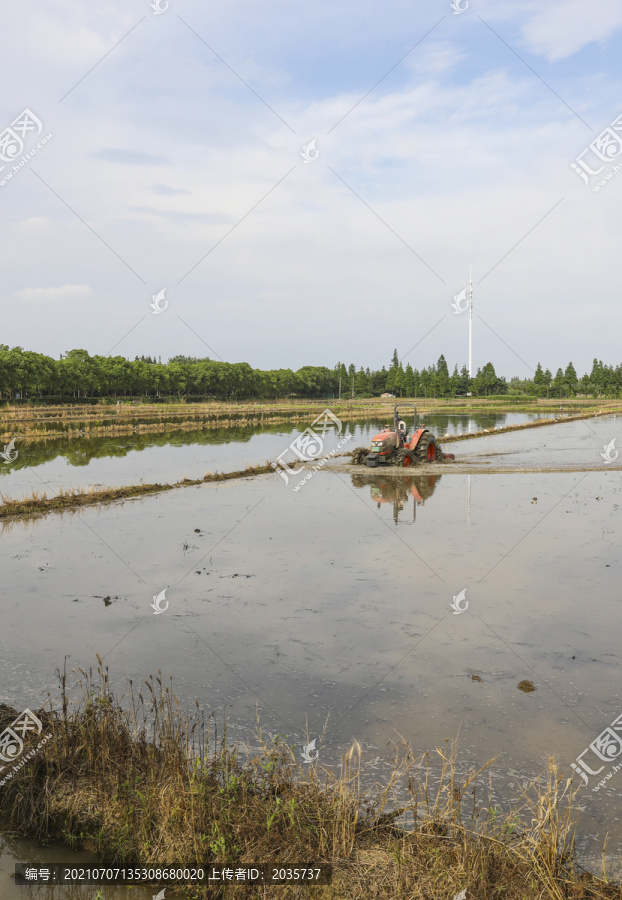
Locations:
{"points": [[32, 422], [75, 498]]}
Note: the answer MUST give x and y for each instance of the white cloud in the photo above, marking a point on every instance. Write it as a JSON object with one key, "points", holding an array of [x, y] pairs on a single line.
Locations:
{"points": [[34, 223], [557, 30], [129, 157], [51, 294]]}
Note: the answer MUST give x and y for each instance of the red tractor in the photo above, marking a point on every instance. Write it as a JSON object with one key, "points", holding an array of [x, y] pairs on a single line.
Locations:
{"points": [[394, 446]]}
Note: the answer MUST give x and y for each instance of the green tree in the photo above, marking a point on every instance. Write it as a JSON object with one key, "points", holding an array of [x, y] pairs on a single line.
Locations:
{"points": [[597, 378], [487, 382], [425, 380], [78, 373], [442, 378], [409, 381], [558, 384], [454, 382], [399, 382], [570, 379], [361, 383], [416, 391], [539, 382], [379, 381]]}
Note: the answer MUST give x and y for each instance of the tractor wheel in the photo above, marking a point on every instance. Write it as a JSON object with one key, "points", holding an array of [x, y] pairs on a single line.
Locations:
{"points": [[404, 459], [358, 455], [425, 450], [440, 456]]}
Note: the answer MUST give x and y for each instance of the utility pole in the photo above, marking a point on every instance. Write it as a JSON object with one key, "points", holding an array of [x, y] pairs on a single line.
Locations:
{"points": [[353, 387], [470, 322], [340, 387]]}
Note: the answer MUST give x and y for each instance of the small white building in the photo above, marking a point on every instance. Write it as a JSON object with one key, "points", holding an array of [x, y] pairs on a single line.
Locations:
{"points": [[387, 396]]}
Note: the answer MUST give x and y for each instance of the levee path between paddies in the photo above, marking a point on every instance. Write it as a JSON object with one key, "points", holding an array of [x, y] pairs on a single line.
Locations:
{"points": [[68, 500], [108, 418]]}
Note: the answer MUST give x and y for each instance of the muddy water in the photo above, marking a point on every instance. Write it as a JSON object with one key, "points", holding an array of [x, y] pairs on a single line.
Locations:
{"points": [[567, 445], [121, 460], [333, 604]]}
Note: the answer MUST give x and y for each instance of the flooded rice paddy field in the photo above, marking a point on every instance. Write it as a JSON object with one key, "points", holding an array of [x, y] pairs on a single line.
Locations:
{"points": [[330, 607], [567, 445], [128, 459]]}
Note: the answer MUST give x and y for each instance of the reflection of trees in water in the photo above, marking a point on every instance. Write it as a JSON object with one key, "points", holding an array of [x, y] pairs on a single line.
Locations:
{"points": [[80, 451], [440, 423], [41, 426], [398, 490]]}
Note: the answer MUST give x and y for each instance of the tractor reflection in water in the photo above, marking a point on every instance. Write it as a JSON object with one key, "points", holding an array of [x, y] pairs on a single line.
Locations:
{"points": [[398, 491]]}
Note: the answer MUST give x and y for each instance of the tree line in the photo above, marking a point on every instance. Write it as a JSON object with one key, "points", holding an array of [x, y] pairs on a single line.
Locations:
{"points": [[25, 374]]}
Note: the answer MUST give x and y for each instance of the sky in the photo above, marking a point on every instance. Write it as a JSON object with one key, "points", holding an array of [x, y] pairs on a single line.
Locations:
{"points": [[164, 150]]}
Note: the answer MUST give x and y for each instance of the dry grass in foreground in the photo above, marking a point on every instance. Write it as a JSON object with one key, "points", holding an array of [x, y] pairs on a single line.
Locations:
{"points": [[150, 785]]}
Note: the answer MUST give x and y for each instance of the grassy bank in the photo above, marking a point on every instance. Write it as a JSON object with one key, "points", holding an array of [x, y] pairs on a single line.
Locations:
{"points": [[32, 422], [76, 498], [146, 784]]}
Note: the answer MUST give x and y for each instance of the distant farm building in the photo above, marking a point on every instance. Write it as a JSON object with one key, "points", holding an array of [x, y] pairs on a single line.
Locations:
{"points": [[387, 396]]}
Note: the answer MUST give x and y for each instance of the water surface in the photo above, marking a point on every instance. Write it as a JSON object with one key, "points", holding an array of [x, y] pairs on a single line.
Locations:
{"points": [[168, 457], [333, 605]]}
